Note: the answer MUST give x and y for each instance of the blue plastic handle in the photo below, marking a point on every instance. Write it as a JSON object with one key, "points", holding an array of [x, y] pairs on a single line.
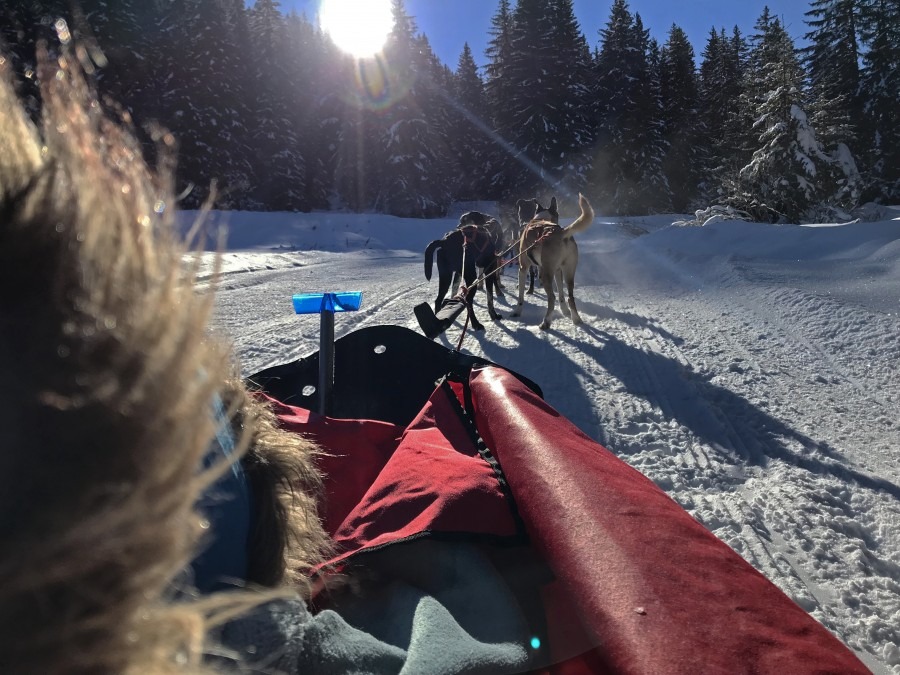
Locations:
{"points": [[316, 303]]}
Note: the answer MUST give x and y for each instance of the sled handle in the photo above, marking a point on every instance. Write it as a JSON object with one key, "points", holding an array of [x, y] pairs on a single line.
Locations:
{"points": [[325, 305]]}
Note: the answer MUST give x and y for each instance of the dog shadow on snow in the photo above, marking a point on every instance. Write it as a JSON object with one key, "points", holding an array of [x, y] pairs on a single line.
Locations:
{"points": [[713, 413], [537, 358], [634, 320]]}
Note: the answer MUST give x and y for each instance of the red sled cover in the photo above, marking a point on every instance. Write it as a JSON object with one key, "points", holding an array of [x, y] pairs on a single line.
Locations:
{"points": [[641, 586]]}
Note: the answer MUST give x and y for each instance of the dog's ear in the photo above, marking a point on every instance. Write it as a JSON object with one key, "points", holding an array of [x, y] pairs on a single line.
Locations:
{"points": [[520, 205], [553, 206]]}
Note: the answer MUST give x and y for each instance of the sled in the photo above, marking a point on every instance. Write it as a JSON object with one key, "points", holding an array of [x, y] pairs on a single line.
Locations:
{"points": [[612, 576], [433, 324]]}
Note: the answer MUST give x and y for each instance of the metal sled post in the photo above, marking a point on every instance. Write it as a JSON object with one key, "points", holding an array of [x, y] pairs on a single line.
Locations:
{"points": [[326, 304]]}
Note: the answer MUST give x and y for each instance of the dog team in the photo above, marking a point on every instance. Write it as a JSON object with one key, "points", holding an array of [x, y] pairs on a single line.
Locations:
{"points": [[540, 245]]}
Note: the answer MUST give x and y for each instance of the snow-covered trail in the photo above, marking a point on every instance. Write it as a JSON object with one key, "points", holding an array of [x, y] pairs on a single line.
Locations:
{"points": [[763, 399]]}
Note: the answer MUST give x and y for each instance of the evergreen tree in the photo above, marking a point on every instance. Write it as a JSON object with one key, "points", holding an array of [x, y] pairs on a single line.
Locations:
{"points": [[880, 86], [832, 66], [529, 99], [653, 193], [279, 167], [397, 164], [466, 137], [785, 175], [318, 77], [127, 33], [682, 127], [570, 68], [499, 87], [200, 101], [629, 142], [721, 86], [549, 127]]}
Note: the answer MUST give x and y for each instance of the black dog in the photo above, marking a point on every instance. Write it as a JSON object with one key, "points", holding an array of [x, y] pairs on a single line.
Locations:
{"points": [[498, 237], [461, 252]]}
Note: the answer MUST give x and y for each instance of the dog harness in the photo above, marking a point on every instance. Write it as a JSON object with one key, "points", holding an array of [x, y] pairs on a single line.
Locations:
{"points": [[471, 236]]}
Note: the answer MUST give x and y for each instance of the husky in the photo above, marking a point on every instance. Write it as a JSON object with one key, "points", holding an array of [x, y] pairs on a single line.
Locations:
{"points": [[526, 211], [552, 248]]}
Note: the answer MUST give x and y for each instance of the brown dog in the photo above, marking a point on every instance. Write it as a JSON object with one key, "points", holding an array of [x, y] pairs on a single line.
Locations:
{"points": [[552, 248]]}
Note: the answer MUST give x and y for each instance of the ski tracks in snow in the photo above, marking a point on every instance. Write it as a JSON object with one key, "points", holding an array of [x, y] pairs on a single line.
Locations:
{"points": [[736, 397], [711, 394]]}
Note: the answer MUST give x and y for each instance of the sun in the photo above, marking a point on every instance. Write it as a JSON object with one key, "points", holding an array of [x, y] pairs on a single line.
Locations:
{"points": [[359, 27]]}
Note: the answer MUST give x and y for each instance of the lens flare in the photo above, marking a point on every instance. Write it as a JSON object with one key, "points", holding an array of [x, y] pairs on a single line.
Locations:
{"points": [[358, 27], [378, 86]]}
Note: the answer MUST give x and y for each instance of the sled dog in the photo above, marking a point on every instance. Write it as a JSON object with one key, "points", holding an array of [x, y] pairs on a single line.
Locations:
{"points": [[526, 211], [498, 237], [461, 252], [553, 249]]}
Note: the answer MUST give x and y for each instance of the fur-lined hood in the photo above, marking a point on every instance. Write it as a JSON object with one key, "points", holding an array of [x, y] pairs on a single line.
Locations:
{"points": [[107, 372]]}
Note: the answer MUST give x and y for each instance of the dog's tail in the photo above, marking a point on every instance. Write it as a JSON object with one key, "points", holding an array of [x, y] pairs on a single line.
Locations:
{"points": [[583, 221], [429, 256]]}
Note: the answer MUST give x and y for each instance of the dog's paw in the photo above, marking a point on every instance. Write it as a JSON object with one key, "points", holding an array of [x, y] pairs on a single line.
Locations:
{"points": [[545, 325]]}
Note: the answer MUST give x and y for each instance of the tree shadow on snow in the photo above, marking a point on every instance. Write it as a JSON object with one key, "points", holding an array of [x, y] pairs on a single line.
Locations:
{"points": [[714, 414]]}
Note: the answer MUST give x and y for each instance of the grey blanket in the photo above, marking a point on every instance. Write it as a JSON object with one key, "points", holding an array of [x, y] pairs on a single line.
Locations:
{"points": [[424, 608]]}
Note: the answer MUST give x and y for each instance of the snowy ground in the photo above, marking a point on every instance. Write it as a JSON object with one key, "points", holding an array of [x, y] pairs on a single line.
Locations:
{"points": [[752, 371]]}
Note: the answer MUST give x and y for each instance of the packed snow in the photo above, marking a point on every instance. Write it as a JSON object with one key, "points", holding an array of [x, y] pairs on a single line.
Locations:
{"points": [[752, 371]]}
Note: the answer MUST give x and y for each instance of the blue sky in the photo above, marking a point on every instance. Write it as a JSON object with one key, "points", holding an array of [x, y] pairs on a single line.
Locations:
{"points": [[451, 23]]}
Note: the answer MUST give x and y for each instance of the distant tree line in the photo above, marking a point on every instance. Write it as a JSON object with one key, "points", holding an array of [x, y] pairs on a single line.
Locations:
{"points": [[265, 105]]}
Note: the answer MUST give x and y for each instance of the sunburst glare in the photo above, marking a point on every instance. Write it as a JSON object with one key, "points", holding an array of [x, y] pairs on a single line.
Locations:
{"points": [[359, 27]]}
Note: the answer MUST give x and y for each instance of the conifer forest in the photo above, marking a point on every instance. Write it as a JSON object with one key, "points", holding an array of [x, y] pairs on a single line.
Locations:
{"points": [[265, 108]]}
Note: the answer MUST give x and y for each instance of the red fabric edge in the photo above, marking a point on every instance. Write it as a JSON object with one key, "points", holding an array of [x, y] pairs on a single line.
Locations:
{"points": [[656, 591]]}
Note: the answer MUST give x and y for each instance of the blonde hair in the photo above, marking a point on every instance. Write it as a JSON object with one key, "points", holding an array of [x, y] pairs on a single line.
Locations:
{"points": [[107, 376]]}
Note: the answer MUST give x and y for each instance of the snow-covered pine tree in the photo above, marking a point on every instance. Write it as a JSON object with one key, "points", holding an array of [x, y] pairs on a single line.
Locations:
{"points": [[410, 180], [832, 66], [682, 122], [358, 158], [571, 67], [542, 115], [127, 33], [880, 90], [317, 73], [784, 177], [499, 87], [531, 98], [277, 100], [434, 95], [201, 99], [653, 194], [615, 66], [466, 138], [722, 75], [629, 146]]}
